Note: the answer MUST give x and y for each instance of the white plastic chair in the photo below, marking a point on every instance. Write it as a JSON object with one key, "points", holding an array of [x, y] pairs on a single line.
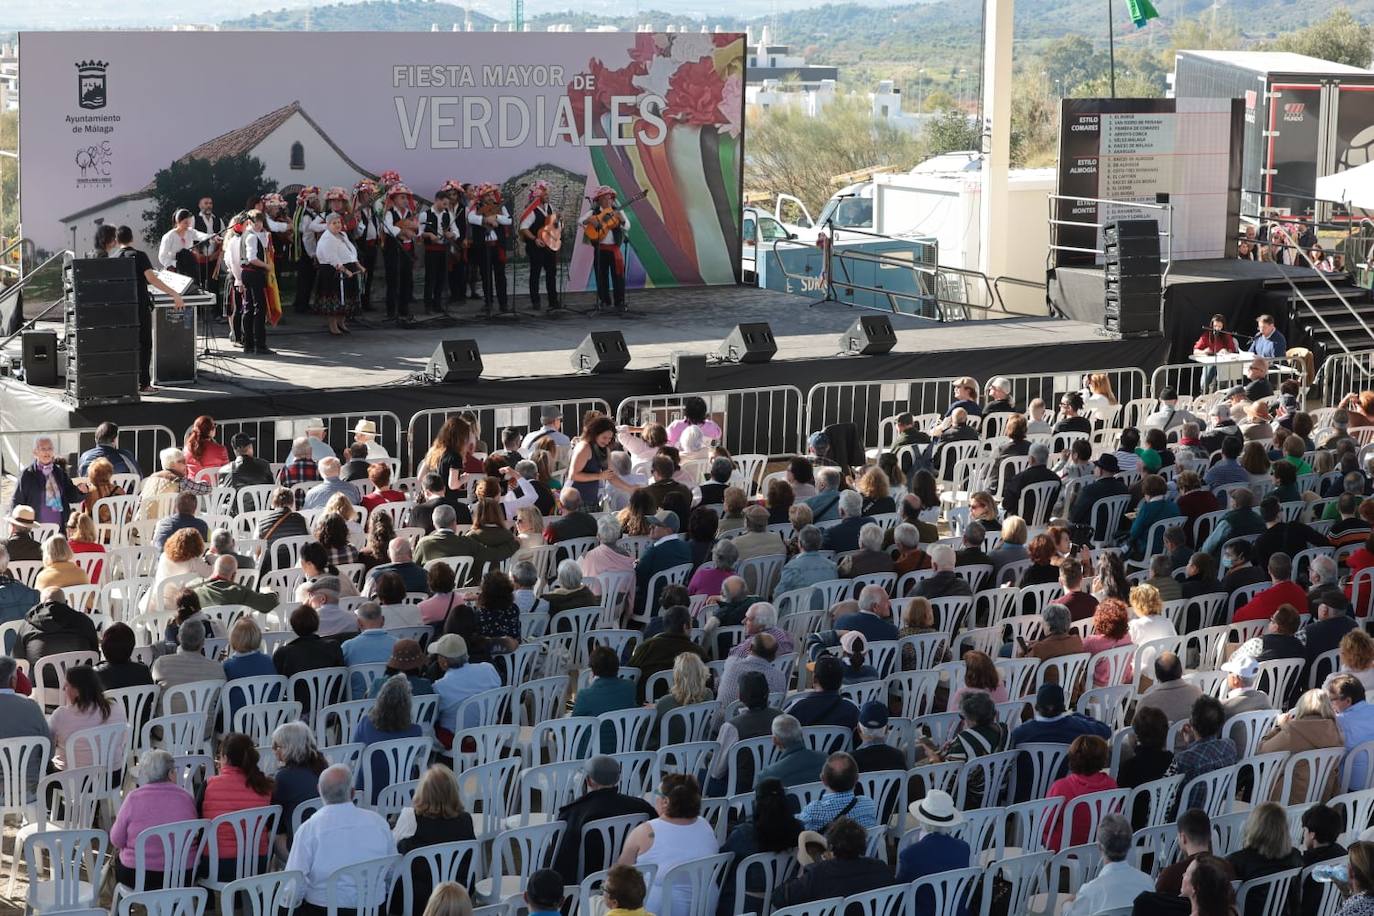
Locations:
{"points": [[368, 883], [180, 901], [67, 854], [402, 759], [948, 892], [180, 843], [704, 877], [316, 689], [458, 861], [262, 895], [517, 854], [253, 829]]}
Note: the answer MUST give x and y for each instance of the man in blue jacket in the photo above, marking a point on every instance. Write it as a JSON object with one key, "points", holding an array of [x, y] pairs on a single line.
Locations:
{"points": [[107, 447], [666, 551], [15, 597]]}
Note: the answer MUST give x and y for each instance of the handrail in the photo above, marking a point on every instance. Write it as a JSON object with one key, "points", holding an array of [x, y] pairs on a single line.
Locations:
{"points": [[26, 248], [1307, 302], [1167, 231], [1029, 284], [18, 285]]}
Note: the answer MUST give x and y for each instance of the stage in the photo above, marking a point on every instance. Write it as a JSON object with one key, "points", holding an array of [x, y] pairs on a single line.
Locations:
{"points": [[527, 359], [1194, 291]]}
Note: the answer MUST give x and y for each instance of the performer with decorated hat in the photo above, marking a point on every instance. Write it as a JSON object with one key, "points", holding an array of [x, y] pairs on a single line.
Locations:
{"points": [[456, 238], [307, 211], [490, 223], [543, 259], [436, 221], [399, 229], [365, 236], [604, 226]]}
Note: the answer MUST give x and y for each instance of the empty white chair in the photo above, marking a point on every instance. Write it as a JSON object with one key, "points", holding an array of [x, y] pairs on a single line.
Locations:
{"points": [[67, 856], [262, 895], [179, 901]]}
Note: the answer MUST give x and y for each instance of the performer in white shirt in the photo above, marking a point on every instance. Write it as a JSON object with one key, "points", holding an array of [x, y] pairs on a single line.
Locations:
{"points": [[399, 228], [610, 224], [253, 270], [490, 223], [208, 252], [366, 234], [436, 221], [542, 258], [307, 211], [233, 271], [336, 290], [176, 250], [456, 236]]}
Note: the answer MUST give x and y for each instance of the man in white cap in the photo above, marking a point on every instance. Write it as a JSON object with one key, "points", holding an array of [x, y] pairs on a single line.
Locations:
{"points": [[365, 433], [999, 397], [315, 432], [21, 544], [462, 679], [1241, 673], [938, 849]]}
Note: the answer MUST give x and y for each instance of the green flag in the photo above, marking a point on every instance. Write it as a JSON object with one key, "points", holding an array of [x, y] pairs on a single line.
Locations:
{"points": [[1142, 11]]}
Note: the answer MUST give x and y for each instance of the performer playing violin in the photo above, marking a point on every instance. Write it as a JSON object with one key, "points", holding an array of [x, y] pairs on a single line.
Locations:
{"points": [[604, 226]]}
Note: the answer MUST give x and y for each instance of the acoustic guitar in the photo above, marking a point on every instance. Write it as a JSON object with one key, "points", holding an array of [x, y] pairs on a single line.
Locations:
{"points": [[551, 233], [605, 221]]}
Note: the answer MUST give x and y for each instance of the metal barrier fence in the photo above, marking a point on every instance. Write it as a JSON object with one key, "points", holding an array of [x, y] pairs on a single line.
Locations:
{"points": [[1343, 373], [753, 421], [275, 434], [491, 419], [1192, 379], [16, 446], [868, 404]]}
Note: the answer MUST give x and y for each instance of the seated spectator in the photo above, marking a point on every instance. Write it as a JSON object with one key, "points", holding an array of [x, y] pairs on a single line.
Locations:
{"points": [[239, 785], [909, 557], [21, 717], [762, 617], [323, 594], [755, 720], [1042, 571], [873, 753], [946, 582], [844, 537], [1239, 521], [824, 705], [16, 598], [708, 578], [678, 834], [157, 801], [1170, 693], [409, 659], [1087, 759], [222, 587], [1310, 726], [308, 650], [938, 849], [181, 556], [51, 627], [1321, 828], [809, 566], [402, 564], [58, 569], [1356, 658], [1161, 577], [283, 522], [855, 651], [1242, 671], [873, 617], [1151, 758], [183, 517], [246, 469], [777, 500], [337, 835], [657, 653], [300, 764], [1053, 724], [461, 680], [772, 827], [1206, 750], [380, 476], [331, 475], [606, 556], [1110, 631], [1118, 883], [188, 664], [689, 687], [1154, 506], [1058, 639], [443, 596], [1355, 717], [1149, 623], [21, 544], [763, 651], [118, 670], [844, 870], [436, 815], [371, 646], [1194, 843], [980, 676], [1013, 546], [1081, 605], [757, 540], [1242, 572], [666, 552], [1280, 638], [875, 488], [1266, 848], [870, 558], [389, 719], [1290, 538], [1200, 577], [606, 693], [981, 733], [839, 776], [84, 706], [1038, 471]]}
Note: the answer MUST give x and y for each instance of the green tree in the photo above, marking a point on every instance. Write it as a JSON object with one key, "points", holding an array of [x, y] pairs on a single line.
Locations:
{"points": [[937, 100], [1338, 38], [1208, 32], [232, 179], [792, 153], [951, 131], [1071, 60], [9, 174]]}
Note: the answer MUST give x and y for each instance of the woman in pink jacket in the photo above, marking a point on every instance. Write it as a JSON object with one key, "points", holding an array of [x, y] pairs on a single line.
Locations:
{"points": [[159, 800]]}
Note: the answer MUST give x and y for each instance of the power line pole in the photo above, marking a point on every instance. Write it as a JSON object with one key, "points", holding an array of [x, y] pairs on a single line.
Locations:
{"points": [[517, 15]]}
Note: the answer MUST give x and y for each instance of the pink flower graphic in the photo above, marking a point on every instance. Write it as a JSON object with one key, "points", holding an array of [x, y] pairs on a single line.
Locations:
{"points": [[694, 93], [731, 104]]}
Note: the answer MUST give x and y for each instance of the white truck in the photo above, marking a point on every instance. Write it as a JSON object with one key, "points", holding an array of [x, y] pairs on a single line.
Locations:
{"points": [[759, 229]]}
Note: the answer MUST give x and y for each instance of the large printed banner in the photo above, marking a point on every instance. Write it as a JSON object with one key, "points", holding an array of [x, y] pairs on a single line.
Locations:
{"points": [[656, 116]]}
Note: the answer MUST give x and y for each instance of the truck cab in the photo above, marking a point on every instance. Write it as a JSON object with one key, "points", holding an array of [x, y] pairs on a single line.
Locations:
{"points": [[759, 229]]}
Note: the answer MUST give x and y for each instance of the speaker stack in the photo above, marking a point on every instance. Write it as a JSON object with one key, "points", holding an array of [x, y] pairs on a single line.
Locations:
{"points": [[1133, 291], [102, 332]]}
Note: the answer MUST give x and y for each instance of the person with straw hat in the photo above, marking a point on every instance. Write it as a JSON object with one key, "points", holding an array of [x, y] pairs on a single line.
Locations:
{"points": [[609, 264]]}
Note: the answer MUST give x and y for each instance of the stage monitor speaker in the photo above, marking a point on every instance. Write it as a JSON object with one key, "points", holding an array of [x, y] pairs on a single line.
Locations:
{"points": [[751, 342], [869, 335], [601, 352], [38, 355], [687, 371], [456, 360]]}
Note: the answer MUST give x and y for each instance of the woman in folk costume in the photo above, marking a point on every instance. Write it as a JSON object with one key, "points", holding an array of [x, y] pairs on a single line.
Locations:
{"points": [[458, 241], [279, 246], [400, 226], [303, 251], [490, 223], [233, 278], [336, 287], [539, 213], [366, 234], [609, 262]]}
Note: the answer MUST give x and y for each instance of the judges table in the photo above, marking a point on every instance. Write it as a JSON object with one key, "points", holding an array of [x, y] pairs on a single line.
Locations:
{"points": [[1231, 366]]}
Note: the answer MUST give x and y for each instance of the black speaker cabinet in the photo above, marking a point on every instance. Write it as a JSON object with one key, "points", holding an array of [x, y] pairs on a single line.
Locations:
{"points": [[687, 371], [601, 352], [749, 343], [39, 357], [869, 335], [455, 361]]}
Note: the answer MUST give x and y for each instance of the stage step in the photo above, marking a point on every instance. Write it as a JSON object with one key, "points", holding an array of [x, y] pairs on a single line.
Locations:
{"points": [[1306, 280], [1334, 307]]}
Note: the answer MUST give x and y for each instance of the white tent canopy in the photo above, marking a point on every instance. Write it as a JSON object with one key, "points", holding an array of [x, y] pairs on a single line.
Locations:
{"points": [[1353, 187]]}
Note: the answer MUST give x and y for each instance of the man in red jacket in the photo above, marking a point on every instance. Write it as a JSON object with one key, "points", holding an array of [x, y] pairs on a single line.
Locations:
{"points": [[1283, 591]]}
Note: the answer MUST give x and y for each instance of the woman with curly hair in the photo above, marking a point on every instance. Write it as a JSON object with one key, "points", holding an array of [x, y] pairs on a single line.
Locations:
{"points": [[447, 454], [1110, 629], [332, 533], [380, 532], [202, 451], [1148, 622], [634, 517], [100, 484], [1042, 554], [873, 486], [181, 555], [980, 676]]}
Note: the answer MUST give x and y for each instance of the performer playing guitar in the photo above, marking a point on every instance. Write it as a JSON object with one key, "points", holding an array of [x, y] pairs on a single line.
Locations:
{"points": [[542, 229], [490, 222], [605, 226], [400, 228], [365, 235]]}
